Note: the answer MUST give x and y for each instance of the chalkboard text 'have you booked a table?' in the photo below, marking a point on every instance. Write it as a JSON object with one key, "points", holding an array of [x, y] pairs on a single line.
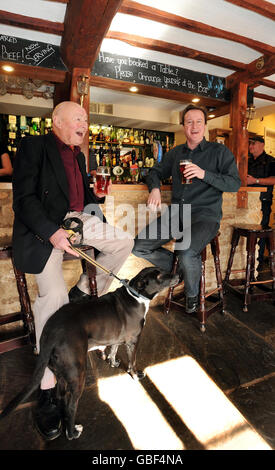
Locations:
{"points": [[142, 71]]}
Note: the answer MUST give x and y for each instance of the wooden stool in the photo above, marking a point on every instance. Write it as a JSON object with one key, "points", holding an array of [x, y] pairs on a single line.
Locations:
{"points": [[252, 233], [203, 312], [27, 336]]}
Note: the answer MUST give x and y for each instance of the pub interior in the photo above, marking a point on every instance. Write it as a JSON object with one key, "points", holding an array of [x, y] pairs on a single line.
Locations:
{"points": [[134, 67]]}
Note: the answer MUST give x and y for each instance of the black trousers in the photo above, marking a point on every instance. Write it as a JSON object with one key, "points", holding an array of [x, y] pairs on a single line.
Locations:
{"points": [[194, 234]]}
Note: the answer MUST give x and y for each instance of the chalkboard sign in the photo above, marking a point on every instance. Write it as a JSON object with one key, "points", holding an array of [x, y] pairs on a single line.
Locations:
{"points": [[159, 75], [22, 51]]}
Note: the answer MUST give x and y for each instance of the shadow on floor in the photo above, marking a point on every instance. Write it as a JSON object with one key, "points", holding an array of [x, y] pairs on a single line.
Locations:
{"points": [[212, 390]]}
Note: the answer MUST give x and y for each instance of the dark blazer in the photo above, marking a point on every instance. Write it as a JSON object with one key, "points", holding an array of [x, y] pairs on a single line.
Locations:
{"points": [[41, 200]]}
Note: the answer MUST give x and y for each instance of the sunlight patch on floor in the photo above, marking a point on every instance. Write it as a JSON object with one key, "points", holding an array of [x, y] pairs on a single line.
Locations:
{"points": [[146, 427], [203, 407]]}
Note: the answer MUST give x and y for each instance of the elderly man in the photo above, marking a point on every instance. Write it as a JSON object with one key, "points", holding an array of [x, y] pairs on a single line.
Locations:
{"points": [[212, 171], [49, 185], [261, 172]]}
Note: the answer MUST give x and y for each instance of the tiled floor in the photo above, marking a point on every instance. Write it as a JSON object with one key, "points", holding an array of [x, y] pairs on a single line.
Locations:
{"points": [[202, 391]]}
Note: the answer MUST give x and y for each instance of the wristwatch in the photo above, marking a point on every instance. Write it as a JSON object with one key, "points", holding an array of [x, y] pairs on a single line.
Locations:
{"points": [[257, 181]]}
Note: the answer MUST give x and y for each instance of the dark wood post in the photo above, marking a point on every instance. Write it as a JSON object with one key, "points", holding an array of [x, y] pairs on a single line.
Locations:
{"points": [[238, 123], [79, 74]]}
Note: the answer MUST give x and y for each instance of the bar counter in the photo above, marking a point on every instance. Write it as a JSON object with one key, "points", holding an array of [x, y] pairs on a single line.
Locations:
{"points": [[126, 207]]}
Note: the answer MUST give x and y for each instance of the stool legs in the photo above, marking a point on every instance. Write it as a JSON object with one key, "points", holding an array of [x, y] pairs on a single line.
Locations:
{"points": [[203, 312], [252, 234], [201, 308], [25, 304], [215, 248], [234, 243], [271, 247], [90, 269], [250, 264], [167, 302]]}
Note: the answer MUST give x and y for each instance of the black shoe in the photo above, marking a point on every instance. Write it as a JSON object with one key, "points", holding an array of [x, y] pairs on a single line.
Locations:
{"points": [[47, 415], [76, 295], [191, 304]]}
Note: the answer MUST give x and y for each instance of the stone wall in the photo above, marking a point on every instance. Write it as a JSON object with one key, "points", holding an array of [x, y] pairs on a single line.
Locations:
{"points": [[131, 197]]}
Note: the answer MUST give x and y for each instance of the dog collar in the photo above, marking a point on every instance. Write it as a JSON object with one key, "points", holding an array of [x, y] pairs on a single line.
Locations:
{"points": [[132, 290]]}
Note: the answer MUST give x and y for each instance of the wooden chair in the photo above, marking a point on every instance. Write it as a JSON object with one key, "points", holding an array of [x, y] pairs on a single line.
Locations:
{"points": [[26, 335], [252, 233], [204, 310]]}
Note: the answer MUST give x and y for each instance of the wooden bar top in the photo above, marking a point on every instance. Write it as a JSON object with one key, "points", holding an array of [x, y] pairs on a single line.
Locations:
{"points": [[143, 187]]}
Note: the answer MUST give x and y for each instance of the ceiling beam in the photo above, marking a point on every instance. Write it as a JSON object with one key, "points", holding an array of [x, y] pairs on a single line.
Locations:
{"points": [[261, 7], [221, 111], [175, 49], [264, 82], [263, 96], [40, 73], [27, 22], [85, 25], [137, 9], [261, 67], [147, 90]]}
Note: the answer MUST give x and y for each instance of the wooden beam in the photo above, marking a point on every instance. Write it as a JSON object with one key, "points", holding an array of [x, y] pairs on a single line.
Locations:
{"points": [[85, 26], [264, 82], [221, 111], [74, 96], [40, 73], [264, 96], [137, 9], [148, 90], [27, 22], [261, 7], [238, 107], [261, 67], [175, 49]]}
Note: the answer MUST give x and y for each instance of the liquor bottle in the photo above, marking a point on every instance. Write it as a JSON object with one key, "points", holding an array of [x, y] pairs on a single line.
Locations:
{"points": [[114, 161], [133, 156], [12, 136], [140, 159], [36, 125], [48, 125], [113, 135], [117, 155], [100, 154], [100, 136], [23, 125]]}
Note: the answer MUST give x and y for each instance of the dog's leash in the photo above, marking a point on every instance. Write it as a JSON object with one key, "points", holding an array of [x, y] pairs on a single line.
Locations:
{"points": [[78, 229]]}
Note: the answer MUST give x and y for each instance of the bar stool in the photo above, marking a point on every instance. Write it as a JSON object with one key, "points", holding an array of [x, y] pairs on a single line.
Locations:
{"points": [[203, 311], [252, 233], [27, 335]]}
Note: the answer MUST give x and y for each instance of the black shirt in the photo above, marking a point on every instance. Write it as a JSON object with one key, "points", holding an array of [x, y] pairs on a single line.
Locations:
{"points": [[205, 196], [262, 167]]}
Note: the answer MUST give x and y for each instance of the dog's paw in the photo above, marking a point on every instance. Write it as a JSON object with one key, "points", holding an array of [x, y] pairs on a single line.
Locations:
{"points": [[76, 433], [113, 362]]}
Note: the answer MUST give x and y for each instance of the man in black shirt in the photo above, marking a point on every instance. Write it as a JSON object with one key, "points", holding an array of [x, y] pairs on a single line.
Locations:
{"points": [[261, 172], [213, 170]]}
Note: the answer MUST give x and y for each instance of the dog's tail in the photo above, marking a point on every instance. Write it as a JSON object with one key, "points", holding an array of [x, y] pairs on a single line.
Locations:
{"points": [[30, 388]]}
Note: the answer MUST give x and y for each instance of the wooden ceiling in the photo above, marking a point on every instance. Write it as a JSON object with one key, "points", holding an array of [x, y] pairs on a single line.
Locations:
{"points": [[86, 23]]}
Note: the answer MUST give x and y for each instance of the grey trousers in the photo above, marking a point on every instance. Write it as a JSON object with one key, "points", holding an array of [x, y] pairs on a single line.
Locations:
{"points": [[114, 245]]}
